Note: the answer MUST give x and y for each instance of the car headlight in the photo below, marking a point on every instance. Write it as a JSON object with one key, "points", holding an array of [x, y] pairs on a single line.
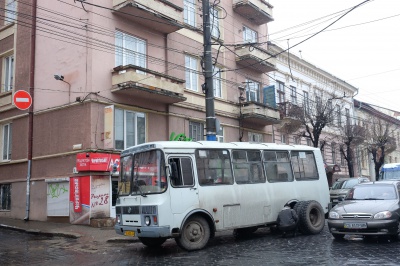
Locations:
{"points": [[333, 215], [383, 215]]}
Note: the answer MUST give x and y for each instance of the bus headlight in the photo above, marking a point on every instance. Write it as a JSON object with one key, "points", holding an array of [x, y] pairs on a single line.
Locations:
{"points": [[147, 220], [118, 219]]}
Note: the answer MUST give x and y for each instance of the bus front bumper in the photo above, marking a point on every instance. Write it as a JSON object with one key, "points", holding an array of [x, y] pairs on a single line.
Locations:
{"points": [[143, 231]]}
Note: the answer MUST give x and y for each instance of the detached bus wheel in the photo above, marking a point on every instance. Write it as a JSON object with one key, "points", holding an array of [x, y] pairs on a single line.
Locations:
{"points": [[311, 217], [152, 242], [195, 234]]}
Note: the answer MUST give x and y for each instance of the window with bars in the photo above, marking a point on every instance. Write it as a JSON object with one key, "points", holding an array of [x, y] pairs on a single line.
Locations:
{"points": [[293, 95], [5, 197], [191, 75], [129, 50], [255, 137]]}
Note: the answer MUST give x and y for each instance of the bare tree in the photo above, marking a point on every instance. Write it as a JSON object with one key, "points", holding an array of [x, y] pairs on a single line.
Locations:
{"points": [[350, 136], [379, 141], [310, 118]]}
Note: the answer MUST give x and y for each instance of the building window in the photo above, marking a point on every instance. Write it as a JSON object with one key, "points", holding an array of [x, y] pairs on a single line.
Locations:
{"points": [[130, 128], [249, 35], [217, 84], [129, 50], [309, 143], [5, 196], [283, 139], [190, 12], [296, 140], [196, 131], [220, 134], [281, 91], [293, 94], [255, 137], [342, 159], [338, 115], [10, 12], [252, 91], [7, 140], [8, 70], [214, 23], [363, 159], [347, 116], [191, 75], [333, 149], [306, 103]]}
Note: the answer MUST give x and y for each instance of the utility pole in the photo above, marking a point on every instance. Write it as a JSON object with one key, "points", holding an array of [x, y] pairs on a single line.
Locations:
{"points": [[208, 74]]}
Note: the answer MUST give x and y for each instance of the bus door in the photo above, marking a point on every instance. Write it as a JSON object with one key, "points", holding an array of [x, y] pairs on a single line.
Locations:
{"points": [[183, 192]]}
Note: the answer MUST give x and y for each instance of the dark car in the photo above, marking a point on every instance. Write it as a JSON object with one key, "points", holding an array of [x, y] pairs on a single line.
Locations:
{"points": [[342, 186], [369, 209]]}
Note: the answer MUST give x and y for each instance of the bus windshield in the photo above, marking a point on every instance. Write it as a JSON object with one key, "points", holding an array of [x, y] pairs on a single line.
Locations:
{"points": [[142, 173]]}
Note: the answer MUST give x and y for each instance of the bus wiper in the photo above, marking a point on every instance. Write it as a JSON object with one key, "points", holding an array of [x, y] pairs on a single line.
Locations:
{"points": [[372, 199], [138, 186]]}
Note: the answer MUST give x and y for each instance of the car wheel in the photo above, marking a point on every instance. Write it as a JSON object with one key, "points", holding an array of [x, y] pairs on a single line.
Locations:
{"points": [[311, 217], [338, 236], [152, 242], [195, 234]]}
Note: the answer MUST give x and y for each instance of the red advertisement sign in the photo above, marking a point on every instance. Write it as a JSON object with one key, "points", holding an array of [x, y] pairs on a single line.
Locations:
{"points": [[76, 194], [93, 161]]}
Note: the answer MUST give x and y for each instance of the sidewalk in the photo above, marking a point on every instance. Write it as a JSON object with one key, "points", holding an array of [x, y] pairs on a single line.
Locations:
{"points": [[83, 232]]}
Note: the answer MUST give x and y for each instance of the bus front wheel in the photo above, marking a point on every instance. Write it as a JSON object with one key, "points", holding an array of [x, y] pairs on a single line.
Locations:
{"points": [[195, 234]]}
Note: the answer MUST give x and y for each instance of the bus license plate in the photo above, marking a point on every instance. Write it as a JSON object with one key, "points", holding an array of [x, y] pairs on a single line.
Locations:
{"points": [[355, 225], [129, 233]]}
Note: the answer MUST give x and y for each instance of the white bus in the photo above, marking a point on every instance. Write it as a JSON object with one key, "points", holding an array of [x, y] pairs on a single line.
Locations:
{"points": [[190, 190]]}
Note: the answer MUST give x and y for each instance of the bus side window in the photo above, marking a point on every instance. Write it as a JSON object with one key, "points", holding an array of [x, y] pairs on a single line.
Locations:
{"points": [[184, 172]]}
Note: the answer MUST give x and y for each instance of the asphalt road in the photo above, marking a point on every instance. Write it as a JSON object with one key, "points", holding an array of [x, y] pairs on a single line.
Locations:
{"points": [[262, 248]]}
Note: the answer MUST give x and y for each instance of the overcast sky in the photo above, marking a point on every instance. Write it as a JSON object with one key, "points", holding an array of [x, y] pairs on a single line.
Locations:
{"points": [[362, 48]]}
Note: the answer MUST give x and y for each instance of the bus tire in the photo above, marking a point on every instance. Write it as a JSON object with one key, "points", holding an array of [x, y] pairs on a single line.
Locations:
{"points": [[195, 233], [152, 242], [311, 217], [297, 207]]}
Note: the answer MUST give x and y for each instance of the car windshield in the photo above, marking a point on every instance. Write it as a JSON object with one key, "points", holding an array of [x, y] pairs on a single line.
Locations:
{"points": [[350, 183], [338, 184], [372, 192]]}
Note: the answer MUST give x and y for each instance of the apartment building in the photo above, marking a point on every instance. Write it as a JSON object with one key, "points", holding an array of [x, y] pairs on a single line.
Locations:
{"points": [[106, 75], [307, 94]]}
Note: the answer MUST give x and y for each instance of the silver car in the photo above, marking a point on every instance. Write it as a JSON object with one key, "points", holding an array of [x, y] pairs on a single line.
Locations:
{"points": [[342, 186], [369, 209]]}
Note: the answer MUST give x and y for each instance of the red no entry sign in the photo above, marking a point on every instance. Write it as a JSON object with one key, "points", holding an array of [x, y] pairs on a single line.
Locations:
{"points": [[22, 100]]}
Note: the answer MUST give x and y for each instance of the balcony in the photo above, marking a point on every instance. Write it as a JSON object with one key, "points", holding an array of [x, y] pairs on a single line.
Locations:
{"points": [[291, 116], [256, 11], [142, 83], [260, 114], [161, 15], [255, 58]]}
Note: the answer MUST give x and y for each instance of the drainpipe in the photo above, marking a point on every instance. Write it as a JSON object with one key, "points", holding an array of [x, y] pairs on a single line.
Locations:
{"points": [[31, 91]]}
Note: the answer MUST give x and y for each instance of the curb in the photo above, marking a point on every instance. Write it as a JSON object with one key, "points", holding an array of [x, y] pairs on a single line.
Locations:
{"points": [[38, 232]]}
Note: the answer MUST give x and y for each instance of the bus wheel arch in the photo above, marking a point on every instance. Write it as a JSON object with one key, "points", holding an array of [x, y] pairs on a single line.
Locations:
{"points": [[311, 217], [196, 230]]}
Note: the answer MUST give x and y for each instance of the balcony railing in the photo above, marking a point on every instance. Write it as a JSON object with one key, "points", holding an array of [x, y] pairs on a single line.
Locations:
{"points": [[255, 58], [257, 11], [161, 15], [258, 113], [143, 83]]}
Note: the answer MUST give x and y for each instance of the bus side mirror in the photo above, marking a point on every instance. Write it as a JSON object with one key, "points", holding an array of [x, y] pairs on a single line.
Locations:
{"points": [[173, 170]]}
